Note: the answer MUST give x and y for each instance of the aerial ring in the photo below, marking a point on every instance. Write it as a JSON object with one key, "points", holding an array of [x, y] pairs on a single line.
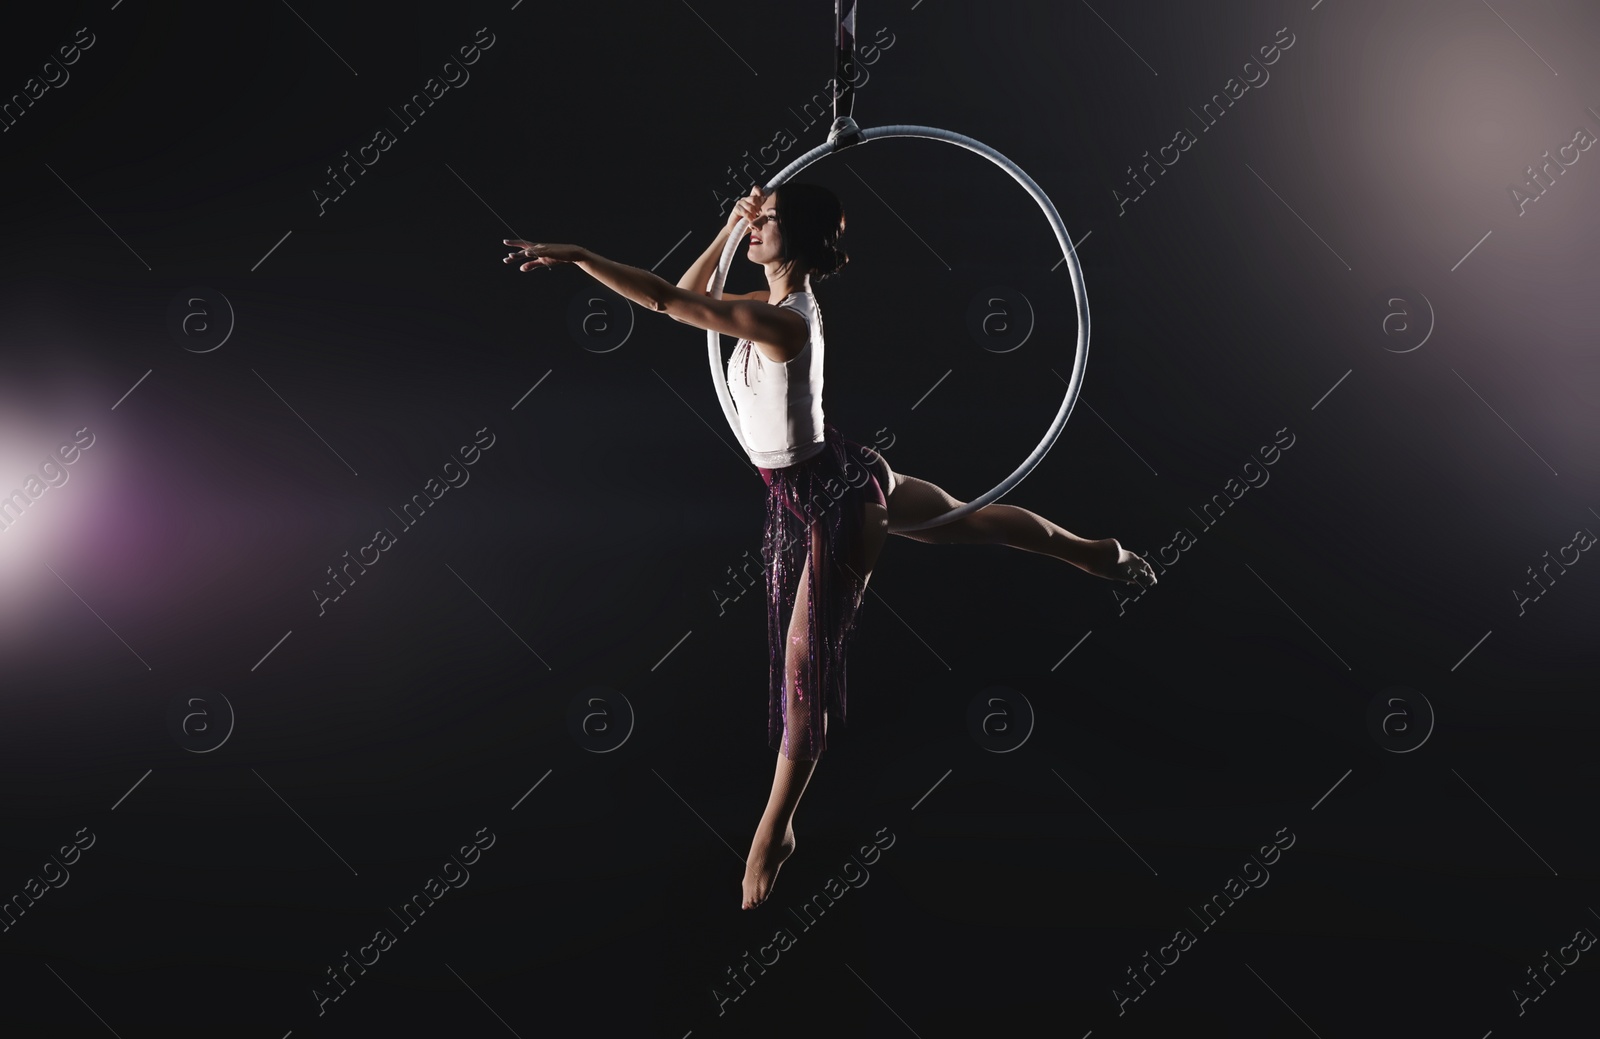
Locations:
{"points": [[1079, 359]]}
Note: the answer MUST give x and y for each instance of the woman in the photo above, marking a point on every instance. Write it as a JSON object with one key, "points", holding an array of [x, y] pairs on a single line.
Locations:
{"points": [[830, 502]]}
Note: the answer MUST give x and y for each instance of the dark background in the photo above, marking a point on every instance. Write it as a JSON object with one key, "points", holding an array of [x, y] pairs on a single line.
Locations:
{"points": [[1278, 277]]}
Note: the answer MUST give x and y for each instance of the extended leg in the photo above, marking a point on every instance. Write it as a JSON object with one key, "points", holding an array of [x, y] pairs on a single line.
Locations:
{"points": [[916, 500]]}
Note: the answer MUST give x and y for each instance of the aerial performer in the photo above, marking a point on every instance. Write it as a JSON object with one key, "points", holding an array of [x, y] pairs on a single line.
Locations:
{"points": [[831, 502]]}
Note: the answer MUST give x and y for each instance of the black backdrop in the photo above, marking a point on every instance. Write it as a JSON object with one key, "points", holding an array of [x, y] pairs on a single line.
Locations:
{"points": [[219, 782]]}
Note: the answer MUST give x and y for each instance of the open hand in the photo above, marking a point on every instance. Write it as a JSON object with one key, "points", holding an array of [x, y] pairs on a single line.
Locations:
{"points": [[532, 255]]}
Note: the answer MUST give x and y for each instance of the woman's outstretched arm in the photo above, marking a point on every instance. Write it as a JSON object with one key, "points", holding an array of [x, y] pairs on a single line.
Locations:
{"points": [[779, 328]]}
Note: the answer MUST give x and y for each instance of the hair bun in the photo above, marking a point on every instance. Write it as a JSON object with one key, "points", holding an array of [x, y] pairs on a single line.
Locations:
{"points": [[812, 221], [833, 261]]}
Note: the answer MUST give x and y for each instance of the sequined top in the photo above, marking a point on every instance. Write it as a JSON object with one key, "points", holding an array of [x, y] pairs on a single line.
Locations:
{"points": [[780, 405]]}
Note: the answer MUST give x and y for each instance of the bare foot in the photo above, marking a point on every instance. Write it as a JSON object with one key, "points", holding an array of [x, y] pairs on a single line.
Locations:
{"points": [[1116, 563], [761, 869]]}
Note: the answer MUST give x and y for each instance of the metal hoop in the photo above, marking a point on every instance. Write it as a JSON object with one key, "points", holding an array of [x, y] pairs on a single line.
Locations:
{"points": [[1080, 357]]}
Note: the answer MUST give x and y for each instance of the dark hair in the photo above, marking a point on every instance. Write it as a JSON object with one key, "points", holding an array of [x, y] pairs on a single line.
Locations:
{"points": [[811, 221]]}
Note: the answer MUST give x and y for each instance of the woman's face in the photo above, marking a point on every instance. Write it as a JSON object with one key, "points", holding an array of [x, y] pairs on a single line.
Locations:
{"points": [[766, 240]]}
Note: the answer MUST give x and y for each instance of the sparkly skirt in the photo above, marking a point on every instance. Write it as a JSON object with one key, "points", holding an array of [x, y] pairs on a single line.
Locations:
{"points": [[814, 531]]}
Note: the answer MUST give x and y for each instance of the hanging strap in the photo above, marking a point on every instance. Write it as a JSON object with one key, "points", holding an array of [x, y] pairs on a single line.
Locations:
{"points": [[844, 132]]}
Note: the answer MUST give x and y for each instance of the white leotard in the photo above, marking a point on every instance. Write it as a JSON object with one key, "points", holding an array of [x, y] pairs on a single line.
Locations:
{"points": [[780, 411]]}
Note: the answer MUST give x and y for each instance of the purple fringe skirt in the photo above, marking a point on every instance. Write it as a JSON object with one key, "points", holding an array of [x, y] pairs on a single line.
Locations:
{"points": [[814, 530]]}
